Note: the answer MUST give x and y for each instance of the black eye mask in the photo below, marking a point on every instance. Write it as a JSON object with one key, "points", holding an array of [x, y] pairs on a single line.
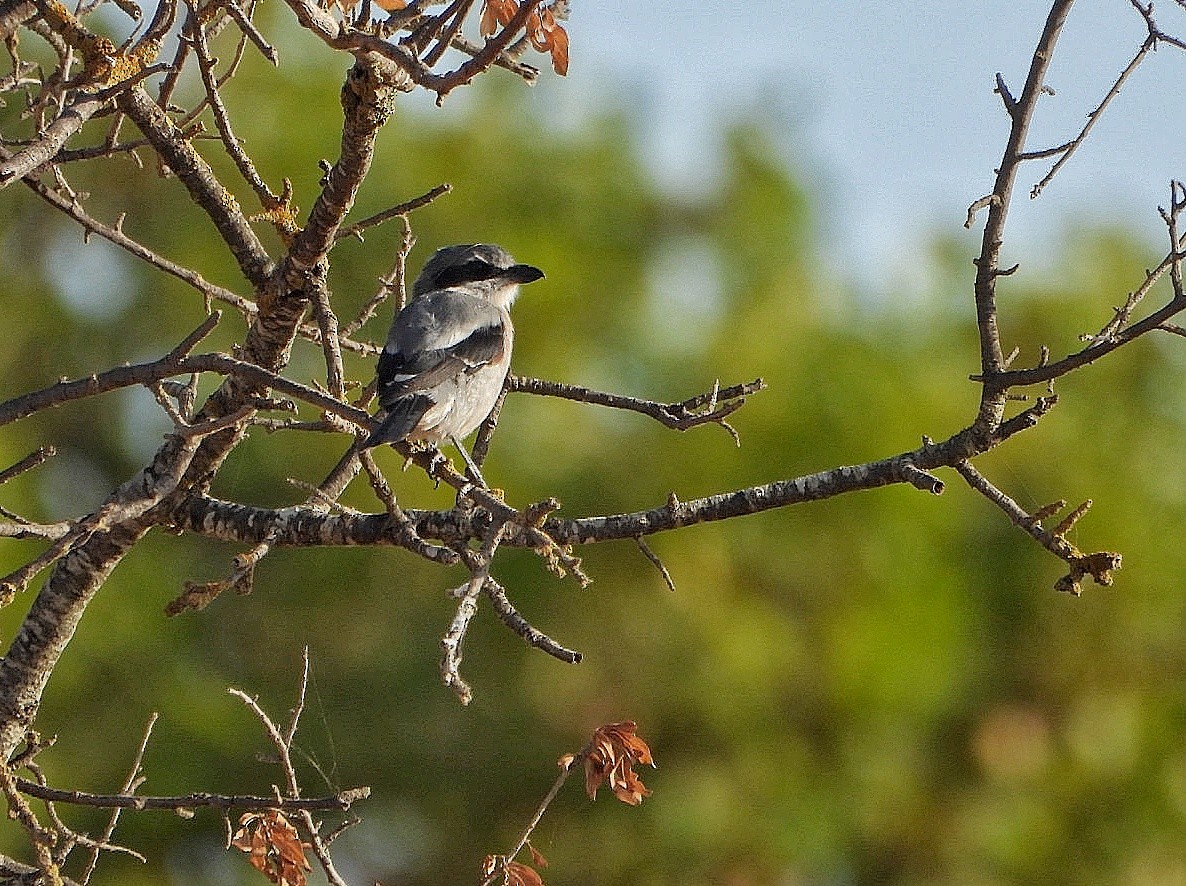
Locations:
{"points": [[466, 272]]}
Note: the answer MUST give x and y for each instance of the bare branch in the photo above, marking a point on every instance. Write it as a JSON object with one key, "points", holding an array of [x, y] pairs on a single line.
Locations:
{"points": [[400, 210], [321, 23], [42, 838], [680, 416], [566, 769], [133, 781], [1099, 566], [532, 636], [367, 101], [1068, 150], [230, 521], [1021, 111], [327, 324], [195, 32], [199, 179], [168, 367], [247, 26], [115, 235], [655, 561], [29, 462], [28, 161], [1114, 335], [340, 801], [408, 536], [479, 566], [283, 744]]}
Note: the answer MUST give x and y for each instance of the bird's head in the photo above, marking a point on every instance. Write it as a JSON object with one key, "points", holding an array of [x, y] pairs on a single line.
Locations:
{"points": [[481, 269]]}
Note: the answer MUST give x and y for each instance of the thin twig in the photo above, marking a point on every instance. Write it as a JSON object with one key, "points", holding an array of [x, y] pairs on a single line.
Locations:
{"points": [[115, 235], [479, 565], [395, 281], [481, 447], [397, 211], [327, 324], [1068, 150], [29, 462], [681, 416], [459, 9], [186, 122], [1099, 565], [575, 762], [407, 529], [283, 744], [131, 783], [243, 20], [655, 561], [531, 635], [222, 119]]}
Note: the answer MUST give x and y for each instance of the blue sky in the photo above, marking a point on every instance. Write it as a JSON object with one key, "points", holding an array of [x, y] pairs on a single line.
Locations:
{"points": [[888, 108]]}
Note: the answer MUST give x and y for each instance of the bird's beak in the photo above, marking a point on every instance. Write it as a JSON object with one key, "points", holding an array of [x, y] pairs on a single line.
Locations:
{"points": [[523, 273]]}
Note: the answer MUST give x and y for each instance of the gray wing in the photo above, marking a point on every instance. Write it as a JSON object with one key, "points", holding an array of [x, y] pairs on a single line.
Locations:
{"points": [[438, 337], [435, 338]]}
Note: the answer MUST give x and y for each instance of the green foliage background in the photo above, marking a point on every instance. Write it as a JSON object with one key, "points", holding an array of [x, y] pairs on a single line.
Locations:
{"points": [[881, 688]]}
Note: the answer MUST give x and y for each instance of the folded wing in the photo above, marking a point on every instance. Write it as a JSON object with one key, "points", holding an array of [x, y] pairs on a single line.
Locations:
{"points": [[436, 339]]}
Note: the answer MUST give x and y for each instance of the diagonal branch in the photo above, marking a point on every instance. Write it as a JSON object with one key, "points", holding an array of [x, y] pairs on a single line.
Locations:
{"points": [[397, 211], [367, 100], [282, 741], [532, 636], [115, 234], [1099, 565], [467, 606], [203, 186], [195, 32], [1066, 151]]}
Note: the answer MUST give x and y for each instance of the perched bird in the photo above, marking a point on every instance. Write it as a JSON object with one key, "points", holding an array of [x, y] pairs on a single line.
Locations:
{"points": [[449, 350]]}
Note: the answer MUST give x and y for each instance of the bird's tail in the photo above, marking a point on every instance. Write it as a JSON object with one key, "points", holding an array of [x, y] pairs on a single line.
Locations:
{"points": [[399, 421]]}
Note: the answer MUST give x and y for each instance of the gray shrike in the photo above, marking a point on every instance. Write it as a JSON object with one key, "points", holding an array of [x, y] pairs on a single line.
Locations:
{"points": [[449, 350]]}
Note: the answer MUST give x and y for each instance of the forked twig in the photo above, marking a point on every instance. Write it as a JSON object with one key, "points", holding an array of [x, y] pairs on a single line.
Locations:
{"points": [[282, 741]]}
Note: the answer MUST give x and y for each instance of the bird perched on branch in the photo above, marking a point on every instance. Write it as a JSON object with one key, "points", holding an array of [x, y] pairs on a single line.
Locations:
{"points": [[449, 350]]}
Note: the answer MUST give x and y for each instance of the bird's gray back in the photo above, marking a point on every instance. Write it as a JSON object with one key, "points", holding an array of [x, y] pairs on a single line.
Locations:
{"points": [[440, 320]]}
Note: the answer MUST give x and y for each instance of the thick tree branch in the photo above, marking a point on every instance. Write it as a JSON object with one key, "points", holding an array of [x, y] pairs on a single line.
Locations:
{"points": [[299, 526], [368, 98], [13, 14], [78, 575]]}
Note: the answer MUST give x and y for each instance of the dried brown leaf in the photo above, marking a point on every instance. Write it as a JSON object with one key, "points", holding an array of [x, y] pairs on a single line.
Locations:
{"points": [[273, 847], [613, 751], [495, 14]]}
